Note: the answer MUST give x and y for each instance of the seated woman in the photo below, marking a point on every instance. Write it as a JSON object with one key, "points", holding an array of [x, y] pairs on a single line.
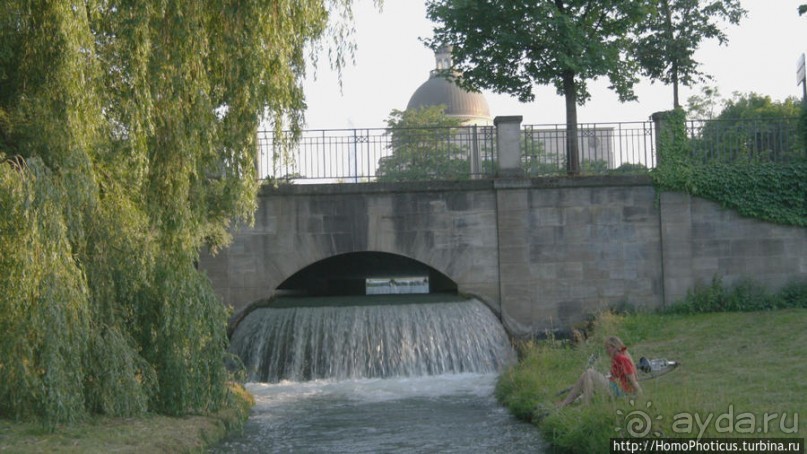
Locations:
{"points": [[621, 381]]}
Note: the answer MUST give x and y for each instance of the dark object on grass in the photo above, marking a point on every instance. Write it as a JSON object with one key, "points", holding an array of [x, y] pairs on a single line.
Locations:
{"points": [[652, 368]]}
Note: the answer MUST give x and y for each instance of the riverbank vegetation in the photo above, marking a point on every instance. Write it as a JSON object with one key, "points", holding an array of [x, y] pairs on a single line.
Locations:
{"points": [[738, 369], [144, 433]]}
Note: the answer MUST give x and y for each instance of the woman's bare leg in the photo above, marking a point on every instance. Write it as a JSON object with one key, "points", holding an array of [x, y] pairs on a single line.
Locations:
{"points": [[594, 382], [589, 382]]}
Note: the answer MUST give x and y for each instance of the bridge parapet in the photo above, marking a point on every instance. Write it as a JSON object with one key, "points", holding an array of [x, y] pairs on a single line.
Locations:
{"points": [[507, 149], [474, 152]]}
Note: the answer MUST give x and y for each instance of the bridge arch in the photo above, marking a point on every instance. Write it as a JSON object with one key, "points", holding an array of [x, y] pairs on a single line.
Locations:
{"points": [[347, 274], [449, 228]]}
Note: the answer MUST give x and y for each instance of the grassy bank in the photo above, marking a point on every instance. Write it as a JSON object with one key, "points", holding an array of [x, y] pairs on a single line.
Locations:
{"points": [[737, 370], [153, 434]]}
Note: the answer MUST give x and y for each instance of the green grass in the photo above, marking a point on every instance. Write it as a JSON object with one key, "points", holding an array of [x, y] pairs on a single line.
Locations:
{"points": [[735, 365], [148, 434]]}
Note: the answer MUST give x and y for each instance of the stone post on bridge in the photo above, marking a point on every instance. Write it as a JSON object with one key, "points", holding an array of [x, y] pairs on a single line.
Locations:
{"points": [[513, 228], [660, 125], [508, 145]]}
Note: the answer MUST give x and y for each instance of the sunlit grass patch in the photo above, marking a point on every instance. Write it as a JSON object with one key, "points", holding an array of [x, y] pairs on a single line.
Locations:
{"points": [[738, 370]]}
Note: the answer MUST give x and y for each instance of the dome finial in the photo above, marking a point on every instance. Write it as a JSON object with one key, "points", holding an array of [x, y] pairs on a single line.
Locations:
{"points": [[442, 58]]}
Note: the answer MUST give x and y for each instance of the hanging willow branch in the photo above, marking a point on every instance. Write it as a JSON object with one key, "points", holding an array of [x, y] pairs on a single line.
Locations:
{"points": [[113, 115]]}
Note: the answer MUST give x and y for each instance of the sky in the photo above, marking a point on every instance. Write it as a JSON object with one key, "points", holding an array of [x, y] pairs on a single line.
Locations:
{"points": [[391, 62]]}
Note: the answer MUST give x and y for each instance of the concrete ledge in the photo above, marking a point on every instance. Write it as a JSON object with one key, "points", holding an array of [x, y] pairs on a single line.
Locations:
{"points": [[512, 183], [464, 185], [374, 188]]}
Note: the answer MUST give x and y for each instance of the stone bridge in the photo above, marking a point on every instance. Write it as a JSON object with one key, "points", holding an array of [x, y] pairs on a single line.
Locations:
{"points": [[541, 253]]}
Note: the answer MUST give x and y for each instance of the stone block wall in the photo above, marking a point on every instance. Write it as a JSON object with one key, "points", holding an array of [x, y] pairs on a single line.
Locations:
{"points": [[446, 226], [543, 253], [702, 240], [571, 251]]}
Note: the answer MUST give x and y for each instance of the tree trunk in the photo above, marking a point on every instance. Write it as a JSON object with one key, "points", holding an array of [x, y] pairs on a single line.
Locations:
{"points": [[676, 104], [572, 149], [665, 5]]}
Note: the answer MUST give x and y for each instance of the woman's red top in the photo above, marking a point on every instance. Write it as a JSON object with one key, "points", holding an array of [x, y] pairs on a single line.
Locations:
{"points": [[621, 367]]}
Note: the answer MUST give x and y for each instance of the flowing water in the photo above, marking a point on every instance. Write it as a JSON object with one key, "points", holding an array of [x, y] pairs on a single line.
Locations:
{"points": [[377, 377]]}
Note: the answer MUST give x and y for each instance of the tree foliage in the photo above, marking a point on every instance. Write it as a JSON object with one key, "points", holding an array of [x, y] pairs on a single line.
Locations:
{"points": [[127, 135], [426, 144], [702, 106], [754, 106], [510, 46], [671, 35]]}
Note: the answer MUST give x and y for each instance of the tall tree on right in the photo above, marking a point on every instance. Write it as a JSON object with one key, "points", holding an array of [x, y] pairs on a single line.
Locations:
{"points": [[668, 41]]}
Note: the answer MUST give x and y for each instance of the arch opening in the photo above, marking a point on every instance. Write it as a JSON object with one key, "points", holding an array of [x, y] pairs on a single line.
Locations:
{"points": [[363, 273]]}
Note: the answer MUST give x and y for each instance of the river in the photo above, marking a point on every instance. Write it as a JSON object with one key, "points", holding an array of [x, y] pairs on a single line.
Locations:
{"points": [[439, 414], [380, 374]]}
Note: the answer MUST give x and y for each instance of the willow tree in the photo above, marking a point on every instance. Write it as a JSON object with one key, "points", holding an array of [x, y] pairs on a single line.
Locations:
{"points": [[508, 47], [127, 134]]}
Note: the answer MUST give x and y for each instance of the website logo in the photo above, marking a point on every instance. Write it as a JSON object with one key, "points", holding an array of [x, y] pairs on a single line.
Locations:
{"points": [[643, 422], [639, 423]]}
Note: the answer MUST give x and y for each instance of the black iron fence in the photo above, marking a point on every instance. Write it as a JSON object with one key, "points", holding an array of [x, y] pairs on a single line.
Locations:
{"points": [[469, 152], [776, 139], [603, 148], [367, 155]]}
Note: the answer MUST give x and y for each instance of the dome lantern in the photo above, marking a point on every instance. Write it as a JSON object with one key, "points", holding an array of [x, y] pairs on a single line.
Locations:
{"points": [[470, 107], [442, 59]]}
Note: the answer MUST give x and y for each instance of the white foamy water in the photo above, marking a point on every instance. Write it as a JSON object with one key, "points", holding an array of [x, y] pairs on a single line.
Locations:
{"points": [[369, 341], [454, 413]]}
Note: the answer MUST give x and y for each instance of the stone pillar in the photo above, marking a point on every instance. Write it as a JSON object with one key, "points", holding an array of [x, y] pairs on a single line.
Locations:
{"points": [[661, 124], [517, 294], [508, 145]]}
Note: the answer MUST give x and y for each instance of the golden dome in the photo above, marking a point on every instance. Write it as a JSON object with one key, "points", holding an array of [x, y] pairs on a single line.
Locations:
{"points": [[471, 107]]}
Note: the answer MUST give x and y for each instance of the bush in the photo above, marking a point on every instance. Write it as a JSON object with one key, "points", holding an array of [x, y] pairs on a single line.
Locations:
{"points": [[744, 296], [630, 169], [793, 294]]}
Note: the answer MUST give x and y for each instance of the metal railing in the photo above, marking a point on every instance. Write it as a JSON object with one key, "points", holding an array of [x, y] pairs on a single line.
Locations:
{"points": [[603, 148], [457, 153], [775, 139], [368, 155]]}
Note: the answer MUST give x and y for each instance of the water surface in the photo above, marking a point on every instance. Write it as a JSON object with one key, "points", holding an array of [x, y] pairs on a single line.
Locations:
{"points": [[454, 413]]}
